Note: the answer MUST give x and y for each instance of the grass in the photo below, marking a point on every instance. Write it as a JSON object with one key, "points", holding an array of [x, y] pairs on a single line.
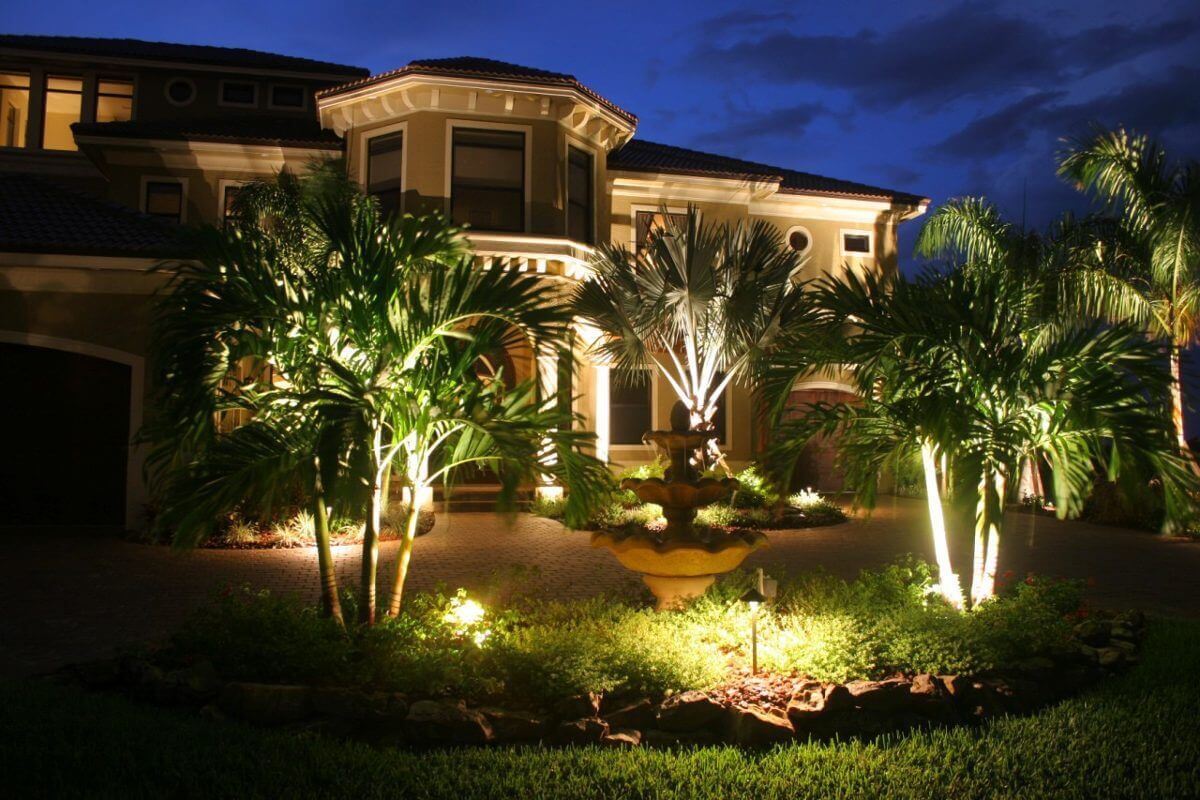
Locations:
{"points": [[1132, 737]]}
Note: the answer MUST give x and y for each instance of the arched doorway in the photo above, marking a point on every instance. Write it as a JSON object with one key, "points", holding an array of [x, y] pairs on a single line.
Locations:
{"points": [[817, 467], [69, 426]]}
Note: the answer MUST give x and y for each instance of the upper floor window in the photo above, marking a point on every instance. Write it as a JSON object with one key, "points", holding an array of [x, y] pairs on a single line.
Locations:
{"points": [[14, 108], [487, 186], [164, 199], [180, 91], [64, 106], [799, 239], [652, 223], [629, 408], [229, 195], [114, 100], [385, 167], [856, 243], [239, 93], [288, 96], [579, 195]]}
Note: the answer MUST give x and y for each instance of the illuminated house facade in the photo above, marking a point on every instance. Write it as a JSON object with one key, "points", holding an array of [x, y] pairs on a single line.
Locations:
{"points": [[109, 144]]}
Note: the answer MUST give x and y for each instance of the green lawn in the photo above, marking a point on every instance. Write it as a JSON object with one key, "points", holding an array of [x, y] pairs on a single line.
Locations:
{"points": [[1138, 736]]}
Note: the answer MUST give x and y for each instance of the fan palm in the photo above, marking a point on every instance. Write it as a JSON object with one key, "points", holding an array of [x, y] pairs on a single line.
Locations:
{"points": [[1145, 267], [697, 302]]}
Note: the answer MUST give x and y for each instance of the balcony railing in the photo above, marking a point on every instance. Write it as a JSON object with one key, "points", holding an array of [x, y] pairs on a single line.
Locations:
{"points": [[548, 255]]}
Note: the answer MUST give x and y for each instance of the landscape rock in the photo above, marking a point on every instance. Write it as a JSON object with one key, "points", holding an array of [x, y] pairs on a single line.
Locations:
{"points": [[891, 694], [587, 730], [583, 705], [1109, 656], [753, 727], [622, 737], [515, 726], [353, 704], [689, 711], [266, 704], [196, 683], [98, 674], [432, 722], [837, 698], [1092, 631], [639, 715]]}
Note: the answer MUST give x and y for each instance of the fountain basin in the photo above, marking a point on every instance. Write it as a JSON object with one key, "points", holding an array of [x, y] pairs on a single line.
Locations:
{"points": [[678, 570]]}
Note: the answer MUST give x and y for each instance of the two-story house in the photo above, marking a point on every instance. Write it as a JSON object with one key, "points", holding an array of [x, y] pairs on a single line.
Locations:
{"points": [[109, 144]]}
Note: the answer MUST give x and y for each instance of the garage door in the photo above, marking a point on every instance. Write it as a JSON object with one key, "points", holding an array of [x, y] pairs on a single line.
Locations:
{"points": [[67, 426]]}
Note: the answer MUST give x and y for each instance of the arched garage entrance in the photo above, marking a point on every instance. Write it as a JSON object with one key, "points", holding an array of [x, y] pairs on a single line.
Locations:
{"points": [[67, 455]]}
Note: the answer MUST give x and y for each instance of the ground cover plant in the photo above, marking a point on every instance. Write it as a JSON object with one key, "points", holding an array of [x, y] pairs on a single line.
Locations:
{"points": [[534, 652], [1126, 738]]}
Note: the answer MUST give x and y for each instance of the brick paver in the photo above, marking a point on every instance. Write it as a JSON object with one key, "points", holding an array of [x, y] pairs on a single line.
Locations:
{"points": [[72, 595]]}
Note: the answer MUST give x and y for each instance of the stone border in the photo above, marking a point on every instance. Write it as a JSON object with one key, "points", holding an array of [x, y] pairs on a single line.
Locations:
{"points": [[813, 710]]}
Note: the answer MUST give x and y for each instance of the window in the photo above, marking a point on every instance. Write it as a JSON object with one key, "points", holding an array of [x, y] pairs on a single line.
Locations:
{"points": [[239, 93], [288, 96], [180, 91], [629, 407], [487, 188], [114, 101], [385, 163], [164, 199], [856, 243], [799, 239], [652, 223], [64, 104], [14, 108], [229, 194], [579, 195]]}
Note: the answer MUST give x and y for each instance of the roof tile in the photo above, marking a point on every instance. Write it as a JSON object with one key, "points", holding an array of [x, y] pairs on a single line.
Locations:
{"points": [[296, 131]]}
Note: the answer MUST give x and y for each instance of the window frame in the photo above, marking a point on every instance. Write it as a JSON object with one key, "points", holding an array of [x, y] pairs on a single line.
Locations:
{"points": [[641, 208], [46, 92], [870, 251], [97, 94], [223, 187], [28, 89], [183, 194], [364, 157], [787, 238], [304, 93], [572, 143], [224, 82], [652, 377], [527, 170]]}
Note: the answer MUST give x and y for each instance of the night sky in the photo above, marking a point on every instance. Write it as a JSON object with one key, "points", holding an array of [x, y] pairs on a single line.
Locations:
{"points": [[942, 99]]}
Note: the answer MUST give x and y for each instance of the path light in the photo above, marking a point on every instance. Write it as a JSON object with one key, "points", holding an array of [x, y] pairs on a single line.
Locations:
{"points": [[754, 598]]}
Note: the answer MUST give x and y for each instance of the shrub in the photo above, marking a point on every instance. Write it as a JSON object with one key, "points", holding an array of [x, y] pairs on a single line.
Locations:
{"points": [[753, 490]]}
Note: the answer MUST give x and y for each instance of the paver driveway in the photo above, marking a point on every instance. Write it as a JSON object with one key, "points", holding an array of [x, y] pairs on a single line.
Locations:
{"points": [[73, 595]]}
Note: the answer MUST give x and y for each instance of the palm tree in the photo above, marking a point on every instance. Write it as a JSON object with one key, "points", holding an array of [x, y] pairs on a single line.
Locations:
{"points": [[960, 364], [347, 317], [697, 302], [1145, 267]]}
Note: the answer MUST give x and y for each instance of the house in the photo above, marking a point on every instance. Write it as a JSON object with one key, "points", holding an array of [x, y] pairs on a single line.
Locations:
{"points": [[109, 145]]}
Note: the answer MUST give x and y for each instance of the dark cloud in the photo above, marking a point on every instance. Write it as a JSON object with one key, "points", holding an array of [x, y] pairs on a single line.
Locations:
{"points": [[966, 50], [1157, 107], [789, 122]]}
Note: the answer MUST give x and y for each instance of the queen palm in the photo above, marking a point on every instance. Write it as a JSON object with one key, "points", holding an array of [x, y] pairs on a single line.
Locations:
{"points": [[351, 323], [698, 302], [1144, 268]]}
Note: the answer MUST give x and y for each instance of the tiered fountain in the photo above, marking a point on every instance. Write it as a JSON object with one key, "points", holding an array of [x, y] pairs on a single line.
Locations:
{"points": [[678, 564]]}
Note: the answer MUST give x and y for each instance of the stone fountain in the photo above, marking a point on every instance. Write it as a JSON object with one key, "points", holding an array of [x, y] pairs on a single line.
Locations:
{"points": [[678, 564]]}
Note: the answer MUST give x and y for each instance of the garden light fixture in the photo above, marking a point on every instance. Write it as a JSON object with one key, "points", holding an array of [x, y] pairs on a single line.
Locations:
{"points": [[754, 598]]}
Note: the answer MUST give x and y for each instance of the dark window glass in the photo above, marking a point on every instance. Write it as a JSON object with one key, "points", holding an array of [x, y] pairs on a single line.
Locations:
{"points": [[231, 193], [629, 409], [487, 189], [653, 223], [164, 199], [238, 93], [181, 91], [385, 158], [856, 243], [798, 241], [287, 96], [579, 195]]}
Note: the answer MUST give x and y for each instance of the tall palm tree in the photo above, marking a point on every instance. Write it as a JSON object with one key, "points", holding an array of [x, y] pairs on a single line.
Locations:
{"points": [[1145, 268], [698, 302]]}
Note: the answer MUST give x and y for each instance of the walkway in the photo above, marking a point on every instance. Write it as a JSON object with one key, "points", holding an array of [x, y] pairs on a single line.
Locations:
{"points": [[71, 595]]}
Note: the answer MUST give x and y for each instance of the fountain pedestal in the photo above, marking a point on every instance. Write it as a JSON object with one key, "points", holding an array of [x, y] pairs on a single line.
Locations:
{"points": [[679, 566]]}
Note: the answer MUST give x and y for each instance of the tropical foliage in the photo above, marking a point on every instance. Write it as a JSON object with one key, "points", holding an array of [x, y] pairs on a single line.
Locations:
{"points": [[698, 303], [348, 345]]}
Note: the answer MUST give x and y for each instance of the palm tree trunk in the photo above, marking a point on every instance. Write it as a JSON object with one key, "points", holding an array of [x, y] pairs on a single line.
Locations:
{"points": [[989, 519], [370, 551], [948, 583], [405, 555], [1177, 406], [331, 606]]}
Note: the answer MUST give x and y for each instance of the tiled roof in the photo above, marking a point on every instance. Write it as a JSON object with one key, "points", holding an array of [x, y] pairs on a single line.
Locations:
{"points": [[167, 51], [486, 68], [641, 156], [296, 132], [37, 216]]}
